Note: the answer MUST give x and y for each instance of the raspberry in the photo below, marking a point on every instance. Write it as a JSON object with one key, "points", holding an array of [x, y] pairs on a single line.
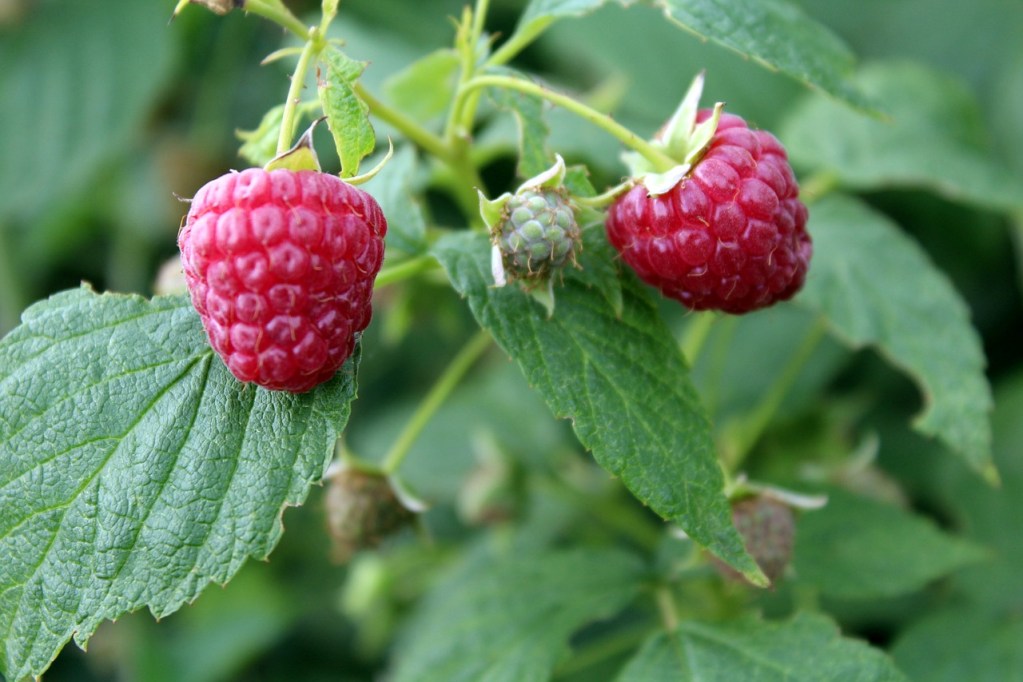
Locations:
{"points": [[538, 234], [768, 530], [363, 508], [280, 265], [730, 235]]}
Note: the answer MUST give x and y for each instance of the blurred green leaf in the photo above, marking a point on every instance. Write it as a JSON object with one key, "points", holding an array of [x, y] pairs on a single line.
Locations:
{"points": [[534, 158], [76, 94], [778, 35], [260, 145], [857, 548], [745, 355], [394, 189], [347, 115], [934, 140], [217, 636], [807, 648], [425, 87], [990, 516], [960, 644], [539, 14], [877, 287], [136, 469], [509, 618], [622, 382]]}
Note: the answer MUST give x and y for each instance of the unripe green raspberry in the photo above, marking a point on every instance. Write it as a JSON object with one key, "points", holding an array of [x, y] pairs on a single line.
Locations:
{"points": [[537, 235]]}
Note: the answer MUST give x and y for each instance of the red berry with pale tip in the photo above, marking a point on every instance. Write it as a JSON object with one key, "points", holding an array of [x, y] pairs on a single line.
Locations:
{"points": [[280, 266], [730, 235]]}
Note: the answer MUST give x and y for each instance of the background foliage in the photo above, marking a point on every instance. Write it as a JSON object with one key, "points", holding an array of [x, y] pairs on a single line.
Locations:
{"points": [[916, 554]]}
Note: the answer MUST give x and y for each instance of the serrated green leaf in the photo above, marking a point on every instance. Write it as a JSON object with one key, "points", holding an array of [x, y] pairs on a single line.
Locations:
{"points": [[347, 115], [75, 94], [934, 140], [622, 382], [857, 548], [807, 648], [509, 619], [135, 468], [393, 190], [424, 88], [962, 644], [534, 157], [778, 35], [876, 287]]}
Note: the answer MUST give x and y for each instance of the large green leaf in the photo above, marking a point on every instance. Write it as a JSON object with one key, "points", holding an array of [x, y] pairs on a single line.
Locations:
{"points": [[934, 139], [808, 648], [876, 287], [509, 620], [75, 93], [856, 548], [622, 382], [777, 34], [135, 468]]}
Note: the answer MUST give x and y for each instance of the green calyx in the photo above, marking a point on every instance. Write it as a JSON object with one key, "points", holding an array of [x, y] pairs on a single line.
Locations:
{"points": [[300, 157], [534, 230], [681, 139]]}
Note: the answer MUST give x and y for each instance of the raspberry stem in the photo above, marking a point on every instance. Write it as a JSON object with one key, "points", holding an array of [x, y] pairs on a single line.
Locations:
{"points": [[313, 47], [660, 161], [749, 430], [695, 336], [443, 387], [405, 270]]}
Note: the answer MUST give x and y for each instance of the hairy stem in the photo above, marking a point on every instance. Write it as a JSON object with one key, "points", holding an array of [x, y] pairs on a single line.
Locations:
{"points": [[660, 160], [310, 53], [445, 384]]}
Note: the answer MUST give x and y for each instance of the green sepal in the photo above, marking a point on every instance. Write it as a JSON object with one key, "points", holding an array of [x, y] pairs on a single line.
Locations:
{"points": [[300, 157], [681, 139]]}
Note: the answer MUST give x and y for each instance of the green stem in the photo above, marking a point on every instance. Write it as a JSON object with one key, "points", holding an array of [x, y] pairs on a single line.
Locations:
{"points": [[279, 14], [310, 53], [434, 399], [661, 161], [465, 172], [757, 422], [667, 607], [696, 336], [405, 270]]}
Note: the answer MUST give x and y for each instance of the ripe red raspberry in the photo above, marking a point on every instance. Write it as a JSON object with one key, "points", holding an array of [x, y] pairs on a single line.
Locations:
{"points": [[731, 235], [280, 265]]}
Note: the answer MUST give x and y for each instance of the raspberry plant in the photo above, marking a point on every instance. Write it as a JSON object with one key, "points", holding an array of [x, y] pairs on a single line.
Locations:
{"points": [[725, 303]]}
